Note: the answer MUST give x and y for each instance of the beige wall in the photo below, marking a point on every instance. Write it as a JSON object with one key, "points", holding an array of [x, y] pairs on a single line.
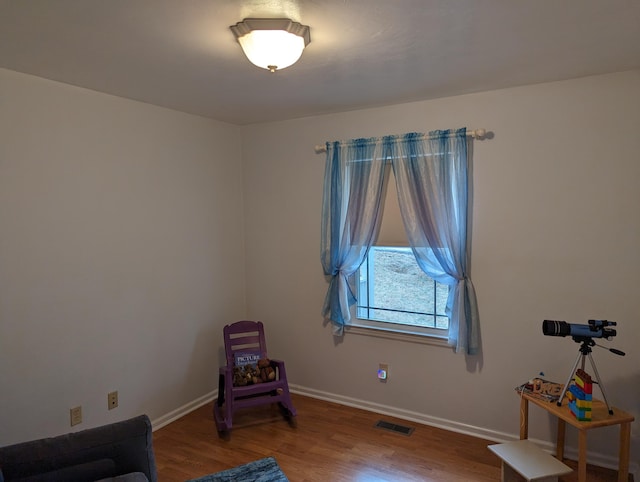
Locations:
{"points": [[121, 255], [556, 236]]}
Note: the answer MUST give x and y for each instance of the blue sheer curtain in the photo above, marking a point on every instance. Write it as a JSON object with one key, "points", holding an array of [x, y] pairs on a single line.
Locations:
{"points": [[433, 182], [351, 213]]}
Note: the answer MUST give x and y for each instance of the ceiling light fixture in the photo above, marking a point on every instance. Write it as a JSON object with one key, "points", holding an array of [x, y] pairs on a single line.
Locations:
{"points": [[271, 43]]}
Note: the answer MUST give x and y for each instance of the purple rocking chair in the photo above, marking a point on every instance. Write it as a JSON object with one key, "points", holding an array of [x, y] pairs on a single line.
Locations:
{"points": [[246, 339]]}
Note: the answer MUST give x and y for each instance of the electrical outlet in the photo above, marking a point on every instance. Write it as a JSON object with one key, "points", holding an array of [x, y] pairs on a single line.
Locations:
{"points": [[383, 372], [112, 400], [76, 415]]}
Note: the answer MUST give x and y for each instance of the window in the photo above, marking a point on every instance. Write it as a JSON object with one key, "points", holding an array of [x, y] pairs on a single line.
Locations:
{"points": [[433, 183], [395, 295]]}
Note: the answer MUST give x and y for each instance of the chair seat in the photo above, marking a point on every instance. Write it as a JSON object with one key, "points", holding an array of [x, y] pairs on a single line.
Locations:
{"points": [[256, 389]]}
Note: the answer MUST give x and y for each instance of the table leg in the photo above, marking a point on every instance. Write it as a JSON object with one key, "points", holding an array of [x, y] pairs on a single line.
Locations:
{"points": [[625, 440], [562, 429], [582, 456], [524, 418]]}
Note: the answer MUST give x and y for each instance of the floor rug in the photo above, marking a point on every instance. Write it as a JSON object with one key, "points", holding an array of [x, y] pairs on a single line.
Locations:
{"points": [[263, 470]]}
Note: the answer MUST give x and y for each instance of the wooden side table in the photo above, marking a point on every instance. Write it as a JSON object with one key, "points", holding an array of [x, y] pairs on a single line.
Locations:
{"points": [[599, 418]]}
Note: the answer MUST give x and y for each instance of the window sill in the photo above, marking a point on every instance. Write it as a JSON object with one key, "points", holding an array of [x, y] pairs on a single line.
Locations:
{"points": [[394, 335]]}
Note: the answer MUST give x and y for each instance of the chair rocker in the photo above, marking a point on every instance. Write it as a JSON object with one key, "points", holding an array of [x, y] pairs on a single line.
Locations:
{"points": [[242, 339]]}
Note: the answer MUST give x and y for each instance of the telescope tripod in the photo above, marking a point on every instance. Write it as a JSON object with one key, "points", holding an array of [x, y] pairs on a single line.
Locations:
{"points": [[584, 352]]}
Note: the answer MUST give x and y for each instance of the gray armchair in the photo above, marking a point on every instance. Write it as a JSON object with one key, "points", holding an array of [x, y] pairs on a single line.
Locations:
{"points": [[118, 452]]}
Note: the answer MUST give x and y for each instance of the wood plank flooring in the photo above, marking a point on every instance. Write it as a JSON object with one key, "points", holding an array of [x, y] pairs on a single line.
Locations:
{"points": [[329, 443]]}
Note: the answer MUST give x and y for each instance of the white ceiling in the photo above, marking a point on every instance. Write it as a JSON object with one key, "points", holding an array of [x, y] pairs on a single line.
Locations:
{"points": [[181, 54]]}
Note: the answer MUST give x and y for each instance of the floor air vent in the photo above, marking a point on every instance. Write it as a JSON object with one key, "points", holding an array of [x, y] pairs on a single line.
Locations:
{"points": [[392, 427]]}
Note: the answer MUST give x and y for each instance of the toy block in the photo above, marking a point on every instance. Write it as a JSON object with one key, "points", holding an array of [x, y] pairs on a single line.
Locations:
{"points": [[580, 414], [583, 380], [579, 394], [582, 419], [585, 387], [584, 404], [583, 375]]}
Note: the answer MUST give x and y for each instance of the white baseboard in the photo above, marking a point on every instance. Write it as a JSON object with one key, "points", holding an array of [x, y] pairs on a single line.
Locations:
{"points": [[183, 410], [451, 425]]}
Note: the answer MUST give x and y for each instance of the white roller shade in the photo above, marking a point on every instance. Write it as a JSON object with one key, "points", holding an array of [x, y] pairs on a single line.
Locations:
{"points": [[392, 230]]}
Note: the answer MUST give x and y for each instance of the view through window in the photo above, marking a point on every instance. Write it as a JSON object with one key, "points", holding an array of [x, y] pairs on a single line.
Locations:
{"points": [[395, 294]]}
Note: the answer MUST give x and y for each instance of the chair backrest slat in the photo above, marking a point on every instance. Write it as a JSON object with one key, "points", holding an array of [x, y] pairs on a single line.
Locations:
{"points": [[244, 337]]}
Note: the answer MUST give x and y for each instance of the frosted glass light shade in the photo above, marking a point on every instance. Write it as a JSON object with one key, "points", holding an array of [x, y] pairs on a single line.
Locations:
{"points": [[272, 44], [272, 49]]}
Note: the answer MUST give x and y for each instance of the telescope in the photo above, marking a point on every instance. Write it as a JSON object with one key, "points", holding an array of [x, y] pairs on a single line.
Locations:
{"points": [[595, 329], [583, 334]]}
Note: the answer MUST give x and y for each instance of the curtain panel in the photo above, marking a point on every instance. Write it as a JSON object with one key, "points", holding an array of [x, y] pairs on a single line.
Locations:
{"points": [[351, 215]]}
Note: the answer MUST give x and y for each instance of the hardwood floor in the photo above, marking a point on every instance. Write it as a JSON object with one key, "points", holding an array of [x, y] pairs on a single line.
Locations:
{"points": [[328, 443]]}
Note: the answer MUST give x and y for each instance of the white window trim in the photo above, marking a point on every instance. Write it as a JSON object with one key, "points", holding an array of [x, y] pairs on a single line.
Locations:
{"points": [[421, 338]]}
